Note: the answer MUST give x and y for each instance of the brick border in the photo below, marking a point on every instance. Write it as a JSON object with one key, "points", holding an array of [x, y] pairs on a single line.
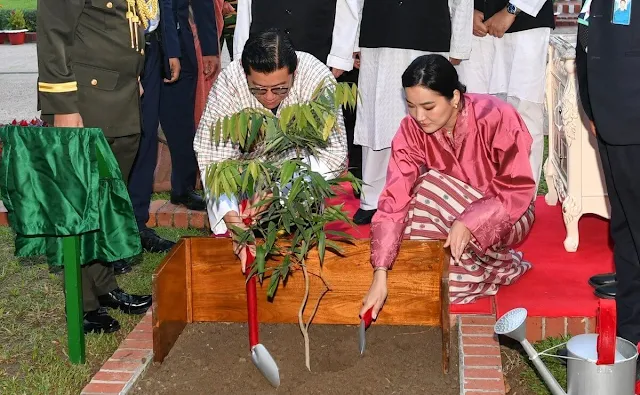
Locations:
{"points": [[164, 213], [128, 363], [480, 360], [539, 328]]}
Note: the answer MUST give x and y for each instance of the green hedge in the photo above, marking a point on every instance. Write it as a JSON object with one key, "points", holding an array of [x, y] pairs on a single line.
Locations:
{"points": [[29, 16]]}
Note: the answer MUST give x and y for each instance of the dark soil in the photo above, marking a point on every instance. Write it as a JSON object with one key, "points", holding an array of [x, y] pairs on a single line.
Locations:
{"points": [[513, 367], [213, 358]]}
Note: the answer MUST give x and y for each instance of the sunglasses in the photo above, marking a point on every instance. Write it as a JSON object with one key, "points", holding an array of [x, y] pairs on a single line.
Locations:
{"points": [[263, 91]]}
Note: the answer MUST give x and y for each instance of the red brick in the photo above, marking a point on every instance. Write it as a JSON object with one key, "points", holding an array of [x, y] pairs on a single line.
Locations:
{"points": [[103, 388], [121, 366], [591, 325], [482, 373], [479, 340], [146, 320], [197, 219], [534, 329], [554, 327], [485, 361], [576, 325], [486, 385], [165, 215], [153, 210], [122, 377], [181, 217], [130, 355], [140, 335], [481, 330], [470, 351], [137, 344], [478, 320], [4, 219]]}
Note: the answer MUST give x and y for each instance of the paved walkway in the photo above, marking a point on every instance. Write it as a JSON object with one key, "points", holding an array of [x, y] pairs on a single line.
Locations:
{"points": [[18, 79]]}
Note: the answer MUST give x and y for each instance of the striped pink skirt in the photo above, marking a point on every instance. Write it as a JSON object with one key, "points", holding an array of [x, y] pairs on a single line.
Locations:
{"points": [[439, 200]]}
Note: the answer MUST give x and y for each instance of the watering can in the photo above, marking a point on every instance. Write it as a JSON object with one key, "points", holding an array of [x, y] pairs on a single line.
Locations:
{"points": [[597, 364]]}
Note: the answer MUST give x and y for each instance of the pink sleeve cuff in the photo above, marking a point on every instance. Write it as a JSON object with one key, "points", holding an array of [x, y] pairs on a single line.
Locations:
{"points": [[487, 220], [386, 238]]}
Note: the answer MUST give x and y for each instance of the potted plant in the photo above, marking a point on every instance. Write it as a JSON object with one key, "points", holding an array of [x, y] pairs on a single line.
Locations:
{"points": [[17, 28], [291, 195]]}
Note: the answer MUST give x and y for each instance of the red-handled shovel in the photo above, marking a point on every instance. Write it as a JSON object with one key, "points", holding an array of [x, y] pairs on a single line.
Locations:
{"points": [[259, 354]]}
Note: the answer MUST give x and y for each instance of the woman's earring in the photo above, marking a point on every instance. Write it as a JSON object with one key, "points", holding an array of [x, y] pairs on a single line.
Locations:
{"points": [[455, 106]]}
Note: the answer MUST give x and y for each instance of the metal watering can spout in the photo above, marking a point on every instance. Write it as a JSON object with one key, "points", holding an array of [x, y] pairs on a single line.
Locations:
{"points": [[513, 325]]}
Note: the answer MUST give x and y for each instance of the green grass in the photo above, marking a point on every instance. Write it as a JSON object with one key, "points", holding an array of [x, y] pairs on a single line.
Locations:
{"points": [[555, 366], [32, 323], [19, 4]]}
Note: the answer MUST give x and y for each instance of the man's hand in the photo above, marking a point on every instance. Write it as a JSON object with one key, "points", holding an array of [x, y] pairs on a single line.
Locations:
{"points": [[498, 24], [232, 218], [356, 60], [337, 72], [479, 28], [459, 237], [67, 121], [174, 65], [227, 9], [593, 128], [455, 61], [210, 66]]}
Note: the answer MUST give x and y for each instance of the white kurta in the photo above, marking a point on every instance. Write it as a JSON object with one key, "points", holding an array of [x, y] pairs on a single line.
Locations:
{"points": [[382, 105], [343, 40], [514, 68]]}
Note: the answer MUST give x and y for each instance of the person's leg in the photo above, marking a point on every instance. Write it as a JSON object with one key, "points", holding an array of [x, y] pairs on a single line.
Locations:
{"points": [[355, 152], [110, 295], [475, 72], [95, 319], [142, 175], [374, 176], [439, 200], [177, 111], [125, 150], [533, 116], [620, 165]]}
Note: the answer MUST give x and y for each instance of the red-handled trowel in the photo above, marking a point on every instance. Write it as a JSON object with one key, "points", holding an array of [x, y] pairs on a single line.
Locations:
{"points": [[365, 322], [259, 354]]}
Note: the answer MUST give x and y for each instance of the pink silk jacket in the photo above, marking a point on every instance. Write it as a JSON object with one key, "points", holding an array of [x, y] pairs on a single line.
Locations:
{"points": [[489, 150]]}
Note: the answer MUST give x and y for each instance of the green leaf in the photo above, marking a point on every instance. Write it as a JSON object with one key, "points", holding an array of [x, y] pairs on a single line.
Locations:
{"points": [[309, 117], [226, 130], [273, 284], [242, 128], [328, 126], [286, 172], [321, 246], [342, 235], [260, 258]]}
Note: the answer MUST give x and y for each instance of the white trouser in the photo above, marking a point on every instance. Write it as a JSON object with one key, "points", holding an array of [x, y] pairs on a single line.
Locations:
{"points": [[374, 176]]}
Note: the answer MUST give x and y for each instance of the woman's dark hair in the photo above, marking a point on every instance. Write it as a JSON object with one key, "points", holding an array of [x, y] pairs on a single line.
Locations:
{"points": [[268, 51], [436, 73]]}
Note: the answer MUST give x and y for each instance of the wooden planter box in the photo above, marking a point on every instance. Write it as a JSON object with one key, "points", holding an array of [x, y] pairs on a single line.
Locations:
{"points": [[200, 281]]}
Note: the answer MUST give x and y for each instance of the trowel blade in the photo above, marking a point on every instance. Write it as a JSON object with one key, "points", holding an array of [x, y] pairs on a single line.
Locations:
{"points": [[266, 364]]}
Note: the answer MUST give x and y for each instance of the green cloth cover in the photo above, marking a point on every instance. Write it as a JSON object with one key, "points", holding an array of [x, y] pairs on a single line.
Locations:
{"points": [[65, 182]]}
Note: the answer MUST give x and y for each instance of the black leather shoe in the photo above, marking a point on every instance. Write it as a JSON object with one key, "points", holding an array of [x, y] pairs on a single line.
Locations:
{"points": [[121, 267], [190, 200], [363, 217], [151, 242], [602, 279], [99, 321], [607, 291], [129, 304]]}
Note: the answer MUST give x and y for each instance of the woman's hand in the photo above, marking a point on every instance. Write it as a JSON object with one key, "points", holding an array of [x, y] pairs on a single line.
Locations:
{"points": [[377, 294], [459, 237]]}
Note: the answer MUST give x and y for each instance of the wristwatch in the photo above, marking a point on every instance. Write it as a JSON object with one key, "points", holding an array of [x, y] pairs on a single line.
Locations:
{"points": [[513, 10]]}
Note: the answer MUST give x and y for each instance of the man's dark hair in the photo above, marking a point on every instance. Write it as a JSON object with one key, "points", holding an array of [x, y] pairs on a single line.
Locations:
{"points": [[268, 51]]}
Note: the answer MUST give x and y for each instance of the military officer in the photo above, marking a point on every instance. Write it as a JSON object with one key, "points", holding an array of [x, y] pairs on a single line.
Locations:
{"points": [[90, 55]]}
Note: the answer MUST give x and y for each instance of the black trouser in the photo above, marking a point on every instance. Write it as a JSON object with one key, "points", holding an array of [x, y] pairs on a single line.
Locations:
{"points": [[621, 166], [355, 151]]}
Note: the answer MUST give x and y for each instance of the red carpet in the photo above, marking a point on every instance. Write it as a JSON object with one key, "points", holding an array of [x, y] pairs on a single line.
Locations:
{"points": [[556, 286]]}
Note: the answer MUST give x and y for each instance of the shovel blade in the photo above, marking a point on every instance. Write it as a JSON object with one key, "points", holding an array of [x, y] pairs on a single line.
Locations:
{"points": [[266, 364]]}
